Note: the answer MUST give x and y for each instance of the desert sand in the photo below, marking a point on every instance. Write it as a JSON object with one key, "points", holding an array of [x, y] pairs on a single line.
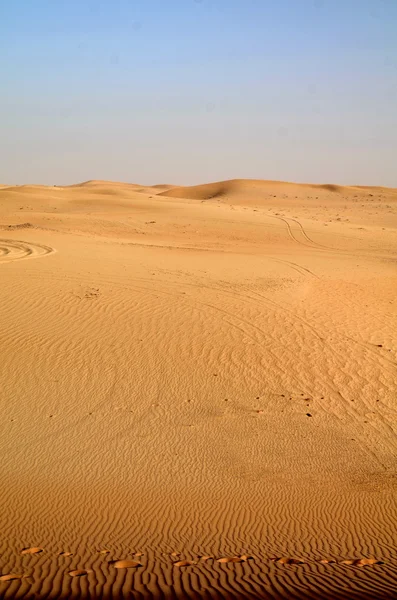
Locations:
{"points": [[198, 391]]}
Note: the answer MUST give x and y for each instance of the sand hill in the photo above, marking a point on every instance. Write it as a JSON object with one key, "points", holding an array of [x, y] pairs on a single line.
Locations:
{"points": [[198, 389]]}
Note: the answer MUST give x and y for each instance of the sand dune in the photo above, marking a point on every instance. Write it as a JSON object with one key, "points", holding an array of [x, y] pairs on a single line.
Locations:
{"points": [[244, 188], [198, 390]]}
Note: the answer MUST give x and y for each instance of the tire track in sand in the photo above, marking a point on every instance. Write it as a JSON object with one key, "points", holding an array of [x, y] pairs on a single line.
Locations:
{"points": [[11, 250]]}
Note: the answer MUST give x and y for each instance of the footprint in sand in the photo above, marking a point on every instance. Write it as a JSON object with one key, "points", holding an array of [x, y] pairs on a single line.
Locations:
{"points": [[327, 561], [184, 563], [10, 577], [233, 559], [32, 550], [287, 560], [125, 564], [362, 562], [80, 572], [103, 551], [65, 554], [205, 558]]}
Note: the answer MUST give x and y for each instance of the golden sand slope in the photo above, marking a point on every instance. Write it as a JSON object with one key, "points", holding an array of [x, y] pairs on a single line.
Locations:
{"points": [[198, 391]]}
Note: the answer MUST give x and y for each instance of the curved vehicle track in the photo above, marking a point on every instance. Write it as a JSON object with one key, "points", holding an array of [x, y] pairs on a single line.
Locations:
{"points": [[11, 250]]}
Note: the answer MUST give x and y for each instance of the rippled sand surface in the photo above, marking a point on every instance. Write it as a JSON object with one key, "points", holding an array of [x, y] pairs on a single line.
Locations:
{"points": [[198, 391]]}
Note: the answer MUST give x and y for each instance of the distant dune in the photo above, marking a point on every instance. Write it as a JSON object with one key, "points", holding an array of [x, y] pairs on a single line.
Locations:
{"points": [[257, 188], [208, 191], [98, 183]]}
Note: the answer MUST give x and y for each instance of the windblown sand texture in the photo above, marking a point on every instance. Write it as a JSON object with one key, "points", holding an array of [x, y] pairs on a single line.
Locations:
{"points": [[198, 391]]}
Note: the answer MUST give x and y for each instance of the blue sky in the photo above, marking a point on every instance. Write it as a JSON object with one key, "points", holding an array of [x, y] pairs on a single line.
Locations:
{"points": [[189, 91]]}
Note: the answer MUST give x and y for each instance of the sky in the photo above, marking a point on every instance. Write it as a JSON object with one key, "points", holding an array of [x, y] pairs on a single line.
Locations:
{"points": [[192, 91]]}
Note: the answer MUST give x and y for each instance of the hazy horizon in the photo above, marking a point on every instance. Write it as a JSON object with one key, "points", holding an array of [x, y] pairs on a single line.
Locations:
{"points": [[188, 92]]}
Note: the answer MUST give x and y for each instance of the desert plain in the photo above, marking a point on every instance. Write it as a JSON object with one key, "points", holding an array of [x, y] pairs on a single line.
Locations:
{"points": [[198, 391]]}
